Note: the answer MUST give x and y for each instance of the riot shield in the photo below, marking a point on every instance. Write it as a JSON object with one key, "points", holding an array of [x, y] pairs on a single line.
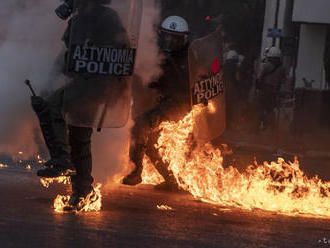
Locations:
{"points": [[102, 42], [207, 86]]}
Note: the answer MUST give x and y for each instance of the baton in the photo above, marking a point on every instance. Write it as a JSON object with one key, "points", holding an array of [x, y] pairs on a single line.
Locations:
{"points": [[104, 112], [28, 83]]}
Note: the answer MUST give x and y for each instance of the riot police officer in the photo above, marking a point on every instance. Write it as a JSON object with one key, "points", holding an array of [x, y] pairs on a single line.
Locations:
{"points": [[69, 144], [173, 104], [270, 79]]}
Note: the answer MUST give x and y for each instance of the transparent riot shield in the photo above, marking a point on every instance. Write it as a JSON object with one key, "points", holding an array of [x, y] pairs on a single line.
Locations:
{"points": [[207, 86], [103, 38]]}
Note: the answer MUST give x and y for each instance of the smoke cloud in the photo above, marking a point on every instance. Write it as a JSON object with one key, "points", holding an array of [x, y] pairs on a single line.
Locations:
{"points": [[111, 146], [29, 42]]}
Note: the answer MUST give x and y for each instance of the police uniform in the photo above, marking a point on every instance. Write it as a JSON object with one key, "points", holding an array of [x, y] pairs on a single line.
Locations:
{"points": [[271, 77], [71, 144], [173, 105]]}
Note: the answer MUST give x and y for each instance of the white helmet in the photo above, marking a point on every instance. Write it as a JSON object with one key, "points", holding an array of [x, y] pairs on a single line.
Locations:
{"points": [[274, 52], [231, 55], [173, 34], [240, 60], [175, 24]]}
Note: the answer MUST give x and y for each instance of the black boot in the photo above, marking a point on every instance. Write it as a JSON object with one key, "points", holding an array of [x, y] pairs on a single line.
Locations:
{"points": [[80, 142], [81, 188], [170, 183], [136, 154]]}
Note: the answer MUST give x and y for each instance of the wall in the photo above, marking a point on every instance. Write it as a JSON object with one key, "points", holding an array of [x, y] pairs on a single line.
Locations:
{"points": [[270, 20], [311, 11], [310, 56]]}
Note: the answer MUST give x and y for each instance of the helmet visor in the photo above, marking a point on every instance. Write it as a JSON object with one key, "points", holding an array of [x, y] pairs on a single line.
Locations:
{"points": [[172, 41]]}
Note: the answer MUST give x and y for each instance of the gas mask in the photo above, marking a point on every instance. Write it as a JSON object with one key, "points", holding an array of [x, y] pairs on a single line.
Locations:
{"points": [[65, 9]]}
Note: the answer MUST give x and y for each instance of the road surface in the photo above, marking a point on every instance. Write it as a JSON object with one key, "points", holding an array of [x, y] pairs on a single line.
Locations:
{"points": [[130, 218]]}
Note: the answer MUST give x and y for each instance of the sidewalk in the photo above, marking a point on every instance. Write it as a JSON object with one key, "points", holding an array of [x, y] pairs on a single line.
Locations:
{"points": [[309, 145]]}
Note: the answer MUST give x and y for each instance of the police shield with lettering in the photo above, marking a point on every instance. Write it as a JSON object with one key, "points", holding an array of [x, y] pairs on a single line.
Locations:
{"points": [[102, 41], [207, 86]]}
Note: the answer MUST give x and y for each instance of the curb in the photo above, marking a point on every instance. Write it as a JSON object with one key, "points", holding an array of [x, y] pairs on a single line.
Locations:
{"points": [[245, 146]]}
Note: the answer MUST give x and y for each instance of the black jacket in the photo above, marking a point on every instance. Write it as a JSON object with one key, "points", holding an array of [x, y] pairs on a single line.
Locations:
{"points": [[173, 85]]}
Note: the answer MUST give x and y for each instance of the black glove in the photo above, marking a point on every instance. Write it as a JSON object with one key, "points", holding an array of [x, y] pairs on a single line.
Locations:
{"points": [[38, 103]]}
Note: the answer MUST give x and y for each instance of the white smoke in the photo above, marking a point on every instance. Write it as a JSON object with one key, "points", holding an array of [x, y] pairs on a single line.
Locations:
{"points": [[30, 40], [111, 146], [148, 57]]}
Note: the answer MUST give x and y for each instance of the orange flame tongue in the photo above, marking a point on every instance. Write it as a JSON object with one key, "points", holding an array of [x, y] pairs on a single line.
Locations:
{"points": [[276, 186], [46, 182], [92, 202], [149, 174]]}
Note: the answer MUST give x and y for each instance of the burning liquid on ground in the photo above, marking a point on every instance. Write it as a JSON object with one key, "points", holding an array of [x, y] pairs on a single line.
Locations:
{"points": [[3, 166], [46, 182], [279, 186]]}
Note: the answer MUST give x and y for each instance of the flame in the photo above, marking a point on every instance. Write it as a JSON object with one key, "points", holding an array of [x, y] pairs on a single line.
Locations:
{"points": [[28, 167], [149, 174], [164, 207], [277, 186], [3, 166], [211, 107], [92, 202], [46, 182], [40, 160]]}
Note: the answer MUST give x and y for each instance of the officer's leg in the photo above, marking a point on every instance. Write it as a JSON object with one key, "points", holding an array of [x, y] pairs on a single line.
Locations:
{"points": [[139, 134], [271, 117], [268, 109], [262, 109], [165, 111], [59, 126], [42, 110], [80, 142], [54, 130], [162, 168]]}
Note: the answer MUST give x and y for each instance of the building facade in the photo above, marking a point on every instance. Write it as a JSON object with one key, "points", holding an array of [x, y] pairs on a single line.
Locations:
{"points": [[302, 24]]}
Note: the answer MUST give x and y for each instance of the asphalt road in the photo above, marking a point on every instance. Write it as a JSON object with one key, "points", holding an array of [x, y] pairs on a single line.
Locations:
{"points": [[130, 218]]}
